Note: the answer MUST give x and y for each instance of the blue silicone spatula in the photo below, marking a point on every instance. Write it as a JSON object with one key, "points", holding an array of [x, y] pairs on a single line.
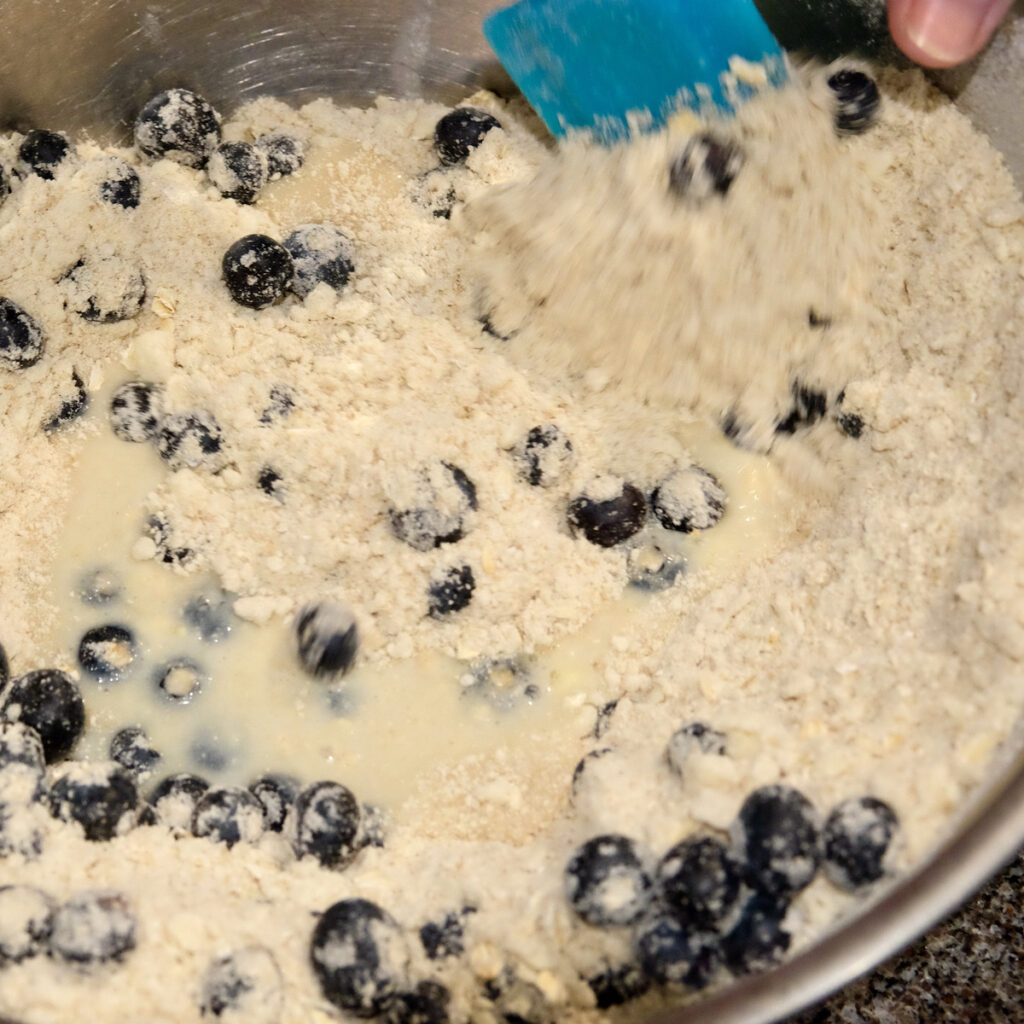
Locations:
{"points": [[595, 65]]}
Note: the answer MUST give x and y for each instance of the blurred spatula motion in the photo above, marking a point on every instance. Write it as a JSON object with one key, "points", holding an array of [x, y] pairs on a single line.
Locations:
{"points": [[612, 67]]}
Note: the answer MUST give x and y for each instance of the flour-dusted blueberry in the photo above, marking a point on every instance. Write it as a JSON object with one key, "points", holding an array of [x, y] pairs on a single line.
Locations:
{"points": [[276, 794], [518, 1000], [5, 668], [26, 921], [689, 499], [228, 815], [99, 796], [579, 772], [425, 1004], [706, 167], [608, 511], [271, 483], [327, 639], [209, 615], [135, 411], [20, 831], [359, 957], [107, 652], [545, 456], [43, 152], [504, 683], [374, 824], [48, 701], [856, 841], [70, 408], [606, 882], [179, 125], [180, 679], [651, 568], [238, 170], [434, 192], [809, 406], [673, 953], [5, 183], [160, 531], [857, 101], [257, 271], [699, 881], [758, 940], [193, 439], [776, 834], [450, 591], [21, 339], [435, 504], [321, 254], [103, 288], [327, 824], [282, 402], [285, 154], [460, 131], [173, 799], [94, 926], [444, 938], [692, 738], [121, 185], [243, 987], [131, 748], [22, 764], [851, 424], [100, 586], [618, 985], [604, 718]]}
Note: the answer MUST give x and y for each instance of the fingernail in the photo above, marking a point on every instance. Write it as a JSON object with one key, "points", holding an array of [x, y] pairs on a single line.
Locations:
{"points": [[952, 31]]}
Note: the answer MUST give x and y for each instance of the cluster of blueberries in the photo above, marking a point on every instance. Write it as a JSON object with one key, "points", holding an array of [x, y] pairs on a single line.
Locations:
{"points": [[711, 903]]}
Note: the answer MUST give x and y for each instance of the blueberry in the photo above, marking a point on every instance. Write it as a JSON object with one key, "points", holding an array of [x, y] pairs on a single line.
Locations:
{"points": [[238, 170], [581, 766], [276, 794], [672, 952], [285, 154], [606, 882], [857, 101], [651, 568], [228, 815], [359, 957], [107, 652], [618, 985], [161, 533], [809, 406], [434, 192], [131, 749], [699, 881], [48, 701], [121, 186], [851, 424], [776, 834], [426, 1004], [281, 405], [505, 683], [26, 920], [855, 841], [706, 167], [460, 131], [451, 591], [215, 750], [44, 152], [20, 833], [21, 339], [517, 1000], [103, 289], [5, 668], [22, 764], [179, 679], [758, 940], [441, 498], [327, 824], [270, 483], [100, 796], [257, 271], [209, 615], [243, 987], [608, 512], [99, 586], [5, 183], [321, 254], [443, 939], [816, 319], [545, 456], [373, 827], [689, 499], [70, 408], [179, 125], [327, 639], [690, 739], [604, 718], [174, 799], [93, 927], [191, 439], [135, 410]]}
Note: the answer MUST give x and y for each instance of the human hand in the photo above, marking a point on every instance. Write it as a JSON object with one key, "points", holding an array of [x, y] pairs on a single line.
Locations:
{"points": [[942, 33]]}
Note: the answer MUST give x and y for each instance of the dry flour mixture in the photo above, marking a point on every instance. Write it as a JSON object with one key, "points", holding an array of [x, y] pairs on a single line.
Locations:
{"points": [[447, 580]]}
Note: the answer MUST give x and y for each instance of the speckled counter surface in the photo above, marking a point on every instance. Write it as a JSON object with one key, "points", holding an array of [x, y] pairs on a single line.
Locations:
{"points": [[968, 970]]}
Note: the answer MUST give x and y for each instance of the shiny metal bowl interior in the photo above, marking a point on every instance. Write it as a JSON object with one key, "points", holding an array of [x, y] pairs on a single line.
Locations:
{"points": [[90, 65]]}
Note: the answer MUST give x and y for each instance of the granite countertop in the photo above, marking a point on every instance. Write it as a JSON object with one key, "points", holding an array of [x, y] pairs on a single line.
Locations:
{"points": [[967, 970]]}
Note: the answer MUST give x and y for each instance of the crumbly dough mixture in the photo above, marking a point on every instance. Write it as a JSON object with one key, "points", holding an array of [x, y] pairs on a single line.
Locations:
{"points": [[876, 651]]}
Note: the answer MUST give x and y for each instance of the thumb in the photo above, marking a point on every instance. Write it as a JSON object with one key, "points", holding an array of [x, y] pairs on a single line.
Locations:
{"points": [[942, 33]]}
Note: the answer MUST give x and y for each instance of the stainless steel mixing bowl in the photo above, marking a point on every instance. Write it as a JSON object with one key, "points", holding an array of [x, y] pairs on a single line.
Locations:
{"points": [[91, 64]]}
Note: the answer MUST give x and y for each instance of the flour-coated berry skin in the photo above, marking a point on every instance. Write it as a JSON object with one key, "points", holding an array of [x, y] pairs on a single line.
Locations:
{"points": [[49, 701], [257, 271], [606, 882]]}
